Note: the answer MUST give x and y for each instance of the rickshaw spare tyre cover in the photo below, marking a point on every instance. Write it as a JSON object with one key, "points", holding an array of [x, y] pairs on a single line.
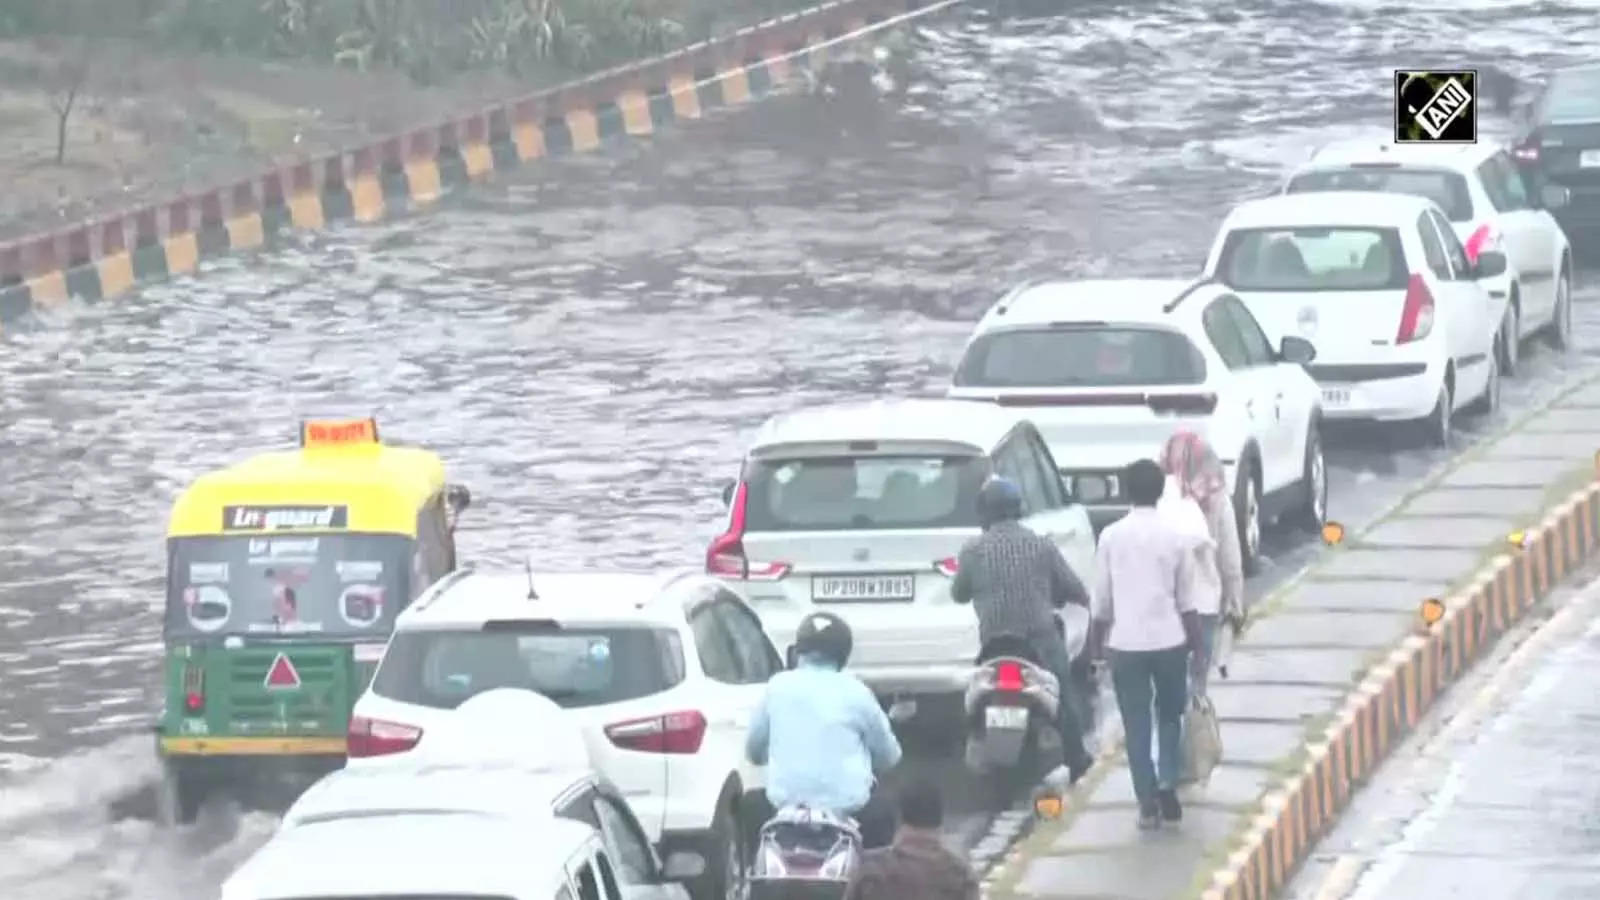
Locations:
{"points": [[506, 726]]}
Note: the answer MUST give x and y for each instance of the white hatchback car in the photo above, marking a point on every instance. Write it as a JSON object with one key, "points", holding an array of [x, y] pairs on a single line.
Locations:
{"points": [[1109, 369], [1481, 192], [519, 816], [1403, 328], [861, 508], [662, 672]]}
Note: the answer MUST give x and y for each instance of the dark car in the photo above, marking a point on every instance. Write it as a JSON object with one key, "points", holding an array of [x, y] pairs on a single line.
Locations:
{"points": [[1558, 146]]}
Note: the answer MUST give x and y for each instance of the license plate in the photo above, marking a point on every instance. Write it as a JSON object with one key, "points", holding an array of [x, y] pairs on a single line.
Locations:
{"points": [[1589, 159], [1005, 717], [1336, 396], [847, 588]]}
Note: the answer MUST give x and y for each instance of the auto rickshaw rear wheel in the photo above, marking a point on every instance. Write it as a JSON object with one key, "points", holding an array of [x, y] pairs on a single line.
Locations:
{"points": [[182, 792]]}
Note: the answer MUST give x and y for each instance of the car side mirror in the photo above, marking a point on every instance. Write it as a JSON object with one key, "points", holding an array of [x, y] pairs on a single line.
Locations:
{"points": [[1490, 264], [727, 491], [1554, 196], [683, 865], [1297, 350]]}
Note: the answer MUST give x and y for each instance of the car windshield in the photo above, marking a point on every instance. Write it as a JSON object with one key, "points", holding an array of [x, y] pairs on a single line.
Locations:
{"points": [[1446, 189], [344, 584], [1313, 259], [1080, 357], [841, 493], [1573, 96], [573, 666]]}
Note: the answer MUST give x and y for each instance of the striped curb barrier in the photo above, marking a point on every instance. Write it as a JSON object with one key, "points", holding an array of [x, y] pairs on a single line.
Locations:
{"points": [[1395, 694], [105, 258]]}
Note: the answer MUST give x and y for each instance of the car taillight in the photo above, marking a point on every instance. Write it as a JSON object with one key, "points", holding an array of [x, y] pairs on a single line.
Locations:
{"points": [[725, 556], [194, 689], [947, 566], [1008, 677], [1528, 153], [1182, 404], [1416, 319], [375, 737], [1485, 238], [678, 732]]}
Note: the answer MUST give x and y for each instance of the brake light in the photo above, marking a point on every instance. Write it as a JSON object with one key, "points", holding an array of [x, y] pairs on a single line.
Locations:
{"points": [[1485, 238], [725, 556], [678, 732], [1527, 153], [1416, 318], [1008, 677], [947, 566], [194, 689], [1182, 404], [375, 737]]}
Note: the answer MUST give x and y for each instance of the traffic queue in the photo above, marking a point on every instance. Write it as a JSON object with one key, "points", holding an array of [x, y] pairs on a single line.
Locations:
{"points": [[319, 625]]}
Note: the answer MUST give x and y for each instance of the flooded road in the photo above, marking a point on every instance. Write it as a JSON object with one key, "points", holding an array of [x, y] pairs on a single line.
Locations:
{"points": [[1497, 796], [588, 345]]}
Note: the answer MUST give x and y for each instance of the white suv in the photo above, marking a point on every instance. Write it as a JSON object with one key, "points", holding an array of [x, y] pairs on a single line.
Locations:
{"points": [[1404, 331], [662, 672], [1481, 192], [861, 508], [1109, 369]]}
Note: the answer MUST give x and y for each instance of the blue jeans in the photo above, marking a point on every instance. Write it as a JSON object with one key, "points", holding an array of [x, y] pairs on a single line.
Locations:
{"points": [[1152, 692]]}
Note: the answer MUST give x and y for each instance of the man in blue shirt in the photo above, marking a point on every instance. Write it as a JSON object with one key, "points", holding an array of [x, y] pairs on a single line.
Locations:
{"points": [[822, 735]]}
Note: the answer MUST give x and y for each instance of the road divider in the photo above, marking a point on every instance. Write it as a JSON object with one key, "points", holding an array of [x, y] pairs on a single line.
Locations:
{"points": [[1345, 662], [105, 258]]}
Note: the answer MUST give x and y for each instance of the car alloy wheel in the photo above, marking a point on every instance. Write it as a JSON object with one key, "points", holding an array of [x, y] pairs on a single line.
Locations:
{"points": [[1317, 480], [1439, 421], [1509, 344], [1247, 507], [1560, 333]]}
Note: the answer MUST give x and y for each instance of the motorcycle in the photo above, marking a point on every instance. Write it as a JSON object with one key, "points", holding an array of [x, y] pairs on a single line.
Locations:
{"points": [[805, 854], [1012, 705]]}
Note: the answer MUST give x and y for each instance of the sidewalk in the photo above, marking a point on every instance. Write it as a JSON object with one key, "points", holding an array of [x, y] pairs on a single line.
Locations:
{"points": [[1309, 646]]}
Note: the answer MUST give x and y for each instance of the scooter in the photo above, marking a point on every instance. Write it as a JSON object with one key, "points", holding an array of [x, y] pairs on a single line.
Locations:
{"points": [[805, 854]]}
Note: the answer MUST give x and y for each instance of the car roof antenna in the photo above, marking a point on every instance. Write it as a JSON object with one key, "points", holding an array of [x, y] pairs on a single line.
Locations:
{"points": [[527, 566]]}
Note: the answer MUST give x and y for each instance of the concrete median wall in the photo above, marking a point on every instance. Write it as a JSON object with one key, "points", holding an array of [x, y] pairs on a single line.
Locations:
{"points": [[106, 257]]}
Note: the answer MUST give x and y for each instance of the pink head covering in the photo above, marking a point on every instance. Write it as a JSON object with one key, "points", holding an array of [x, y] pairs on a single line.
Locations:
{"points": [[1189, 459]]}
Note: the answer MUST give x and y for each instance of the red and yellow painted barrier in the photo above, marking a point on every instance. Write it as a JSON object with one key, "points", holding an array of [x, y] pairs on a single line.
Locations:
{"points": [[1389, 702], [105, 258]]}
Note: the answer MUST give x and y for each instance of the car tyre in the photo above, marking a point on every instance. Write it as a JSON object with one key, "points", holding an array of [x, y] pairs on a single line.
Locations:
{"points": [[1436, 426], [180, 794], [1558, 334], [1488, 403], [727, 874], [1509, 347], [1247, 513], [1313, 510]]}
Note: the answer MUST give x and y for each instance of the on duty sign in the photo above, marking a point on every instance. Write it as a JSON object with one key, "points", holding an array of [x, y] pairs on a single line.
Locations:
{"points": [[284, 518]]}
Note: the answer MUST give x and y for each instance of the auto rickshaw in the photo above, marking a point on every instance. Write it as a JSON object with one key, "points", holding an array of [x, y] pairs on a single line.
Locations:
{"points": [[284, 576]]}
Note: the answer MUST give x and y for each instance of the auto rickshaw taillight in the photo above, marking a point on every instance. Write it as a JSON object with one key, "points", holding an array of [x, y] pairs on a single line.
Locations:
{"points": [[194, 689]]}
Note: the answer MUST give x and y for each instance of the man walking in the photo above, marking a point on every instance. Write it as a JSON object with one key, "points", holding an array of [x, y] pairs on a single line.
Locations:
{"points": [[1144, 612], [917, 866]]}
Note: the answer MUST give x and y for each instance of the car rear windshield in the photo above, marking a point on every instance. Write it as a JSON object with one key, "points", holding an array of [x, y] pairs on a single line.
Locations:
{"points": [[1446, 189], [840, 493], [1313, 259], [575, 667], [1573, 96], [1080, 357]]}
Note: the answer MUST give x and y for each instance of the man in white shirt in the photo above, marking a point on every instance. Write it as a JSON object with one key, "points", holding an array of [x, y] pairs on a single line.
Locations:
{"points": [[1144, 612]]}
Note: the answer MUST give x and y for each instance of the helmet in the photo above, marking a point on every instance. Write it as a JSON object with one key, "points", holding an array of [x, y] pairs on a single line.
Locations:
{"points": [[999, 500], [825, 635]]}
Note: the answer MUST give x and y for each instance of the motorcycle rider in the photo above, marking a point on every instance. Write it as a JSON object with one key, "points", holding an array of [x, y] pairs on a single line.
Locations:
{"points": [[822, 735], [1015, 580]]}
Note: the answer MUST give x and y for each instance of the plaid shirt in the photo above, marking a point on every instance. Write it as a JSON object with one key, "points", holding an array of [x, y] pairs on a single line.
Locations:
{"points": [[1015, 579], [915, 867]]}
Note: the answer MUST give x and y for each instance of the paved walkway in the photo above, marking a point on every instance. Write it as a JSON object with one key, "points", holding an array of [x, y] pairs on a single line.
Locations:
{"points": [[1295, 663]]}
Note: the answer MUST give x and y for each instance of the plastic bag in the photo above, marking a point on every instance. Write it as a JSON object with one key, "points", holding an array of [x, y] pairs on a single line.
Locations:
{"points": [[1202, 741]]}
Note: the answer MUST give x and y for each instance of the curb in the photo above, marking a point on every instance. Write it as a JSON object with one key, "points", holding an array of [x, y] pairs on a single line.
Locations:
{"points": [[1396, 693], [106, 257]]}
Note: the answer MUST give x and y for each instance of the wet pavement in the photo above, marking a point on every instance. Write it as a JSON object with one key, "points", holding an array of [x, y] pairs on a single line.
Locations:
{"points": [[590, 343], [1495, 794], [1318, 637]]}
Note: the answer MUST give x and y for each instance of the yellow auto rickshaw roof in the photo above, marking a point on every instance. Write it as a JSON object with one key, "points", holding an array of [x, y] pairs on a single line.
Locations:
{"points": [[383, 487]]}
